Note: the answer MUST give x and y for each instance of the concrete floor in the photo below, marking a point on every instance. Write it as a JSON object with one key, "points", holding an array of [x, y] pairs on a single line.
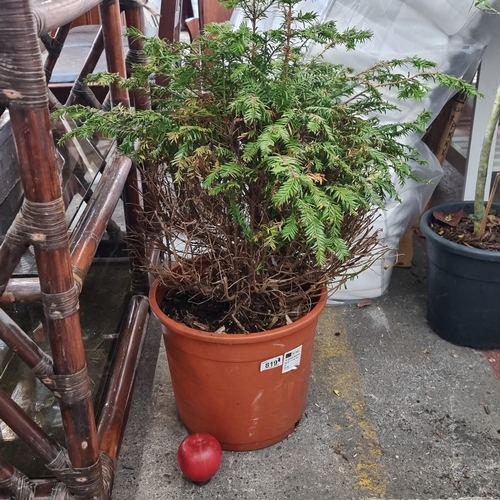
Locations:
{"points": [[393, 412]]}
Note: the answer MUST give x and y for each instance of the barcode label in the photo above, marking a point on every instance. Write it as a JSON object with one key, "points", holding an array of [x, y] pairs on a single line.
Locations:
{"points": [[291, 359]]}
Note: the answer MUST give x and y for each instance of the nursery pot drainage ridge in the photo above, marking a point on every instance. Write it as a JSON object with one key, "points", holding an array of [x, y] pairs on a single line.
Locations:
{"points": [[247, 390]]}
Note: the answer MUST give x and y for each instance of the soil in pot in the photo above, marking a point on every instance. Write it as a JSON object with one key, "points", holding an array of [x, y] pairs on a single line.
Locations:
{"points": [[209, 315], [458, 227], [206, 315]]}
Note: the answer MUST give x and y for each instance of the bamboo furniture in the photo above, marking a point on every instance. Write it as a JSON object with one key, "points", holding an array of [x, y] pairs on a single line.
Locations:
{"points": [[209, 11], [84, 467]]}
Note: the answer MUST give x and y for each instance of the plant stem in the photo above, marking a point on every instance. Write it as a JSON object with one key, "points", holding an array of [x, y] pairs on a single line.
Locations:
{"points": [[287, 48], [401, 82], [482, 173], [480, 233]]}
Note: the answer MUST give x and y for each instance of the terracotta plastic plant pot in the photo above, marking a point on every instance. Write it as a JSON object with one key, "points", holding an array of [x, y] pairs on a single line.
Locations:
{"points": [[249, 391]]}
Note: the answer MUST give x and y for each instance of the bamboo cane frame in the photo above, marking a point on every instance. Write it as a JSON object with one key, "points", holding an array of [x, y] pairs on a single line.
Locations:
{"points": [[43, 490], [113, 43], [28, 350], [56, 278], [116, 64], [91, 61], [135, 19], [44, 446], [170, 20], [50, 15], [21, 290], [113, 416], [58, 268], [57, 43], [15, 481], [85, 237], [92, 224]]}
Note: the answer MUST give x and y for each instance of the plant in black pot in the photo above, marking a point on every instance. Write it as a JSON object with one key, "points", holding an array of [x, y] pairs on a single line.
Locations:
{"points": [[463, 253], [263, 170]]}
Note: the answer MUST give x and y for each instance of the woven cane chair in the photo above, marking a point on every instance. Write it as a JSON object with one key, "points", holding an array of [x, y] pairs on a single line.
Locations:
{"points": [[83, 465]]}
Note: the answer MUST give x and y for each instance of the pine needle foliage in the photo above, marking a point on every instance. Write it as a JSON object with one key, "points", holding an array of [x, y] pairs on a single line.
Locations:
{"points": [[262, 163]]}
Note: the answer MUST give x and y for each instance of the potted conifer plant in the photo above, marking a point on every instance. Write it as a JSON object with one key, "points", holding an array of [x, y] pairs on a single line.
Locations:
{"points": [[463, 255], [263, 171]]}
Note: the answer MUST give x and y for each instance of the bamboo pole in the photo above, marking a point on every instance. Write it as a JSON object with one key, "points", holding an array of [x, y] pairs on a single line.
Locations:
{"points": [[26, 349], [13, 416], [15, 481], [170, 20], [131, 194], [43, 222], [113, 43], [135, 19], [80, 91], [484, 220], [133, 189], [53, 101], [44, 489], [54, 47], [113, 416], [86, 235], [50, 15], [21, 290], [40, 177], [92, 224], [10, 255], [28, 289], [50, 489], [112, 419]]}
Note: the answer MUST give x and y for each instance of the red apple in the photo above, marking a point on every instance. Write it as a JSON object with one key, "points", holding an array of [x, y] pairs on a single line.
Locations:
{"points": [[199, 456]]}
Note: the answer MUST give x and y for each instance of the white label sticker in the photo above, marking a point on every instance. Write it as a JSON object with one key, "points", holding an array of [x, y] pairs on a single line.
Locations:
{"points": [[271, 363], [292, 359]]}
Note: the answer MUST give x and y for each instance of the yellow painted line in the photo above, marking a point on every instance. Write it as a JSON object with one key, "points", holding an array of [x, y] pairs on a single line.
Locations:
{"points": [[340, 376]]}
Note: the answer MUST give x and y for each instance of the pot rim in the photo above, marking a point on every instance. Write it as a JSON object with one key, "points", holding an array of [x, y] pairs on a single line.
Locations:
{"points": [[476, 253], [231, 338]]}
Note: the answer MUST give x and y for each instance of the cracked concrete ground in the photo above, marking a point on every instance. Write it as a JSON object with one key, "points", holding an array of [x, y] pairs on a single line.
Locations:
{"points": [[393, 411]]}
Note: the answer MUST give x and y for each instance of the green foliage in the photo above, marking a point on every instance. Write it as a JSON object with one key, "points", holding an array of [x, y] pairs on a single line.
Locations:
{"points": [[286, 156], [486, 6]]}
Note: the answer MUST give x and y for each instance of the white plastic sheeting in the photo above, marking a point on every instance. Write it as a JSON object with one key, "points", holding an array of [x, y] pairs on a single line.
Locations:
{"points": [[391, 224], [453, 34]]}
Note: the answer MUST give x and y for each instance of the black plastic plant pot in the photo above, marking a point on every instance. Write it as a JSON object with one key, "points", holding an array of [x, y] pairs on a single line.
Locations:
{"points": [[463, 299]]}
